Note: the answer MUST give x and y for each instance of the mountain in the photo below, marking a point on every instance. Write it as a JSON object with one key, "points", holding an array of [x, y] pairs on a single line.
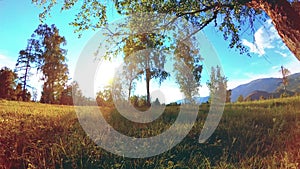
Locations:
{"points": [[294, 82], [201, 99], [266, 87], [198, 100], [256, 95]]}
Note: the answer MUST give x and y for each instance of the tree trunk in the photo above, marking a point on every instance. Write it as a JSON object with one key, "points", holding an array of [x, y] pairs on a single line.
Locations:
{"points": [[25, 81], [148, 76], [129, 90], [285, 18]]}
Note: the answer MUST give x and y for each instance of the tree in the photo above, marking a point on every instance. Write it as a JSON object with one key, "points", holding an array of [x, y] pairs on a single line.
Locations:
{"points": [[104, 97], [27, 59], [66, 96], [7, 83], [188, 68], [142, 102], [52, 63], [130, 74], [150, 62], [232, 17], [285, 72], [228, 96], [217, 83], [69, 92], [19, 94], [124, 82], [156, 102], [134, 100], [240, 98], [247, 99]]}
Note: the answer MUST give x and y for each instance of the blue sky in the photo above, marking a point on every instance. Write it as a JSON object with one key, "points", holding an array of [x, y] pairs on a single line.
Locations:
{"points": [[19, 19]]}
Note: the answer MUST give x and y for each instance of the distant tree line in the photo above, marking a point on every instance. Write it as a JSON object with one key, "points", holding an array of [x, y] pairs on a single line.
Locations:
{"points": [[12, 89], [9, 89], [105, 98]]}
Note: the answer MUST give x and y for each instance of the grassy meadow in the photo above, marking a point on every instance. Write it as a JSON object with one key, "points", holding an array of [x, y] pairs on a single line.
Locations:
{"points": [[258, 134]]}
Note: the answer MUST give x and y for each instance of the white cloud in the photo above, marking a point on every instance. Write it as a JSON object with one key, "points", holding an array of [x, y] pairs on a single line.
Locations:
{"points": [[293, 65], [264, 38], [281, 53], [252, 47], [6, 61], [283, 47], [203, 90]]}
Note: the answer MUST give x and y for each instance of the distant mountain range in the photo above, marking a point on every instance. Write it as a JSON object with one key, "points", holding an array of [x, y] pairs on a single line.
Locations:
{"points": [[266, 87], [197, 99]]}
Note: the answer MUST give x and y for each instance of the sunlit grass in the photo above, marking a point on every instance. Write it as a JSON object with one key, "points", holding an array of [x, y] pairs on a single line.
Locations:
{"points": [[260, 134]]}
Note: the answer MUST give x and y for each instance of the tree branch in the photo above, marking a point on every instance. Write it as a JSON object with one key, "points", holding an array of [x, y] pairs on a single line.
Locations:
{"points": [[217, 6], [203, 25]]}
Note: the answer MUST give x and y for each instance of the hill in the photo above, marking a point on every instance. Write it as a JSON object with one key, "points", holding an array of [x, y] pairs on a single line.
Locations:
{"points": [[266, 87]]}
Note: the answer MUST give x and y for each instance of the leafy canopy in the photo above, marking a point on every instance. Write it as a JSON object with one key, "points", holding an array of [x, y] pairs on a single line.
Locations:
{"points": [[233, 18]]}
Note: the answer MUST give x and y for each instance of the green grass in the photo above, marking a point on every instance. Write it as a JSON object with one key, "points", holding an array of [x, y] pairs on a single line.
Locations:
{"points": [[261, 134]]}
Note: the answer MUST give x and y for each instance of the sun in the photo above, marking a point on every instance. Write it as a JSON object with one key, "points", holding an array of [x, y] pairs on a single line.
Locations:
{"points": [[105, 73]]}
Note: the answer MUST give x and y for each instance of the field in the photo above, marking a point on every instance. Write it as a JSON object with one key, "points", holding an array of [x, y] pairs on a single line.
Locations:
{"points": [[262, 134]]}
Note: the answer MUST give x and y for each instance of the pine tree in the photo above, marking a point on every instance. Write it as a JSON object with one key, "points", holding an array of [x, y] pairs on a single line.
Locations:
{"points": [[27, 59], [52, 63]]}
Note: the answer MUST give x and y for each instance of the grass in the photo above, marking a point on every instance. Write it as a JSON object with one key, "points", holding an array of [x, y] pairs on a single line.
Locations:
{"points": [[260, 134]]}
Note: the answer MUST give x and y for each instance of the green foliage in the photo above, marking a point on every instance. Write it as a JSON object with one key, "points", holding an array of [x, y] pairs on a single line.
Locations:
{"points": [[19, 94], [217, 85], [8, 88], [92, 13], [127, 78], [28, 59], [138, 54], [7, 83], [51, 62], [69, 92], [140, 101], [188, 67], [228, 16], [232, 17], [43, 52], [240, 98], [134, 100], [104, 97]]}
